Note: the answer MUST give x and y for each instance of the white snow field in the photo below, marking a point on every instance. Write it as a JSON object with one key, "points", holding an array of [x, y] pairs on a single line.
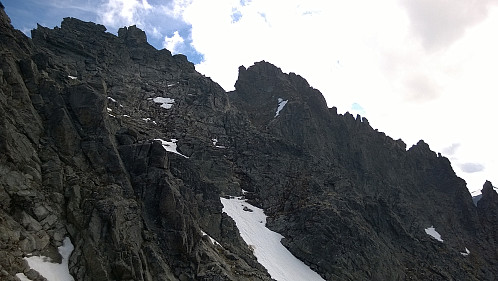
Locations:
{"points": [[166, 103], [52, 271], [432, 232], [215, 141], [170, 146], [279, 262], [213, 241], [281, 104]]}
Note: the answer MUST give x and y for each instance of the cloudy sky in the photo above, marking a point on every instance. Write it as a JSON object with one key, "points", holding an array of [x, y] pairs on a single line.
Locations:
{"points": [[422, 69]]}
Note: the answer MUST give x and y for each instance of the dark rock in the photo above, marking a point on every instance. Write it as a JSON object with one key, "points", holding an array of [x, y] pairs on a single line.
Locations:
{"points": [[80, 158], [353, 199], [132, 35], [487, 208]]}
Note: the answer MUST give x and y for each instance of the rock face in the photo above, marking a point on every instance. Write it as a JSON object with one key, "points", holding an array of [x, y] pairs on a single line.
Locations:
{"points": [[351, 201], [85, 116], [79, 158]]}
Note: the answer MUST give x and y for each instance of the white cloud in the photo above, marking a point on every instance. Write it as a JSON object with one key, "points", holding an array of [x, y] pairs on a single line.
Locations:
{"points": [[418, 78], [439, 23], [176, 8], [420, 69], [450, 150], [119, 13], [156, 18], [172, 43], [156, 33], [72, 4], [421, 87], [471, 167]]}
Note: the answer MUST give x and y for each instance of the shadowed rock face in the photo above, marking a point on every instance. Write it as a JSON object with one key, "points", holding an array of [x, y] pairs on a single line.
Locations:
{"points": [[350, 200], [79, 158]]}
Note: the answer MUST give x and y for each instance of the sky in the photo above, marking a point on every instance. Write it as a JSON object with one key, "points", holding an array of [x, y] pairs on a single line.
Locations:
{"points": [[416, 70]]}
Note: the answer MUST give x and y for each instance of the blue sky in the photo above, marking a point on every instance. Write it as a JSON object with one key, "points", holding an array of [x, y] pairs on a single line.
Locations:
{"points": [[422, 69], [157, 23]]}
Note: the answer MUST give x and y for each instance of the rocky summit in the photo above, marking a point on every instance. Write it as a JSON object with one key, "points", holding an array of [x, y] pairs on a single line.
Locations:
{"points": [[126, 150]]}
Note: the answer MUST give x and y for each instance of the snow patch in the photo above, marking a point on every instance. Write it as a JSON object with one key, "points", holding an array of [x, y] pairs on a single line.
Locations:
{"points": [[109, 109], [52, 271], [213, 241], [280, 263], [215, 141], [114, 101], [432, 232], [147, 120], [22, 277], [281, 104], [477, 195], [72, 77], [466, 253], [170, 146], [166, 103]]}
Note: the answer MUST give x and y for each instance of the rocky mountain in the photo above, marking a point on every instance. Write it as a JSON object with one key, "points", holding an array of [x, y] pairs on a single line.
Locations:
{"points": [[127, 150]]}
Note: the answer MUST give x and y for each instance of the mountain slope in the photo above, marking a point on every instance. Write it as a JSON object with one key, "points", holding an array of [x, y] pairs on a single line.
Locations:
{"points": [[127, 150], [353, 201], [79, 158]]}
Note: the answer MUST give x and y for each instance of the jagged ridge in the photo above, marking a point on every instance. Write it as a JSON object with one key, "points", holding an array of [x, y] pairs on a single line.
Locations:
{"points": [[78, 123]]}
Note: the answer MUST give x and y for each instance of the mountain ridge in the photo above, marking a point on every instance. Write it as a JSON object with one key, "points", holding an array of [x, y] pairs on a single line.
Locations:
{"points": [[81, 159]]}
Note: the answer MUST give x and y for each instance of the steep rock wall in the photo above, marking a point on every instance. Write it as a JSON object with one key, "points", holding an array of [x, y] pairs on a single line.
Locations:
{"points": [[80, 157]]}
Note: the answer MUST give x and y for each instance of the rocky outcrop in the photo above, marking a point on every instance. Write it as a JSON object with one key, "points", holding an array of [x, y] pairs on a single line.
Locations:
{"points": [[79, 159], [487, 208], [351, 201], [127, 149]]}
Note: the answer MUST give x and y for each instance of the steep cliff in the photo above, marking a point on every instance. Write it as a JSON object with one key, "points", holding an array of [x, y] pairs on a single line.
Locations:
{"points": [[80, 158], [127, 150], [350, 200]]}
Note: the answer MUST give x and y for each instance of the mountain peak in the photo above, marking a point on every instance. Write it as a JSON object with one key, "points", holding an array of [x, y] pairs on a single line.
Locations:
{"points": [[421, 147], [76, 25], [489, 193], [487, 187], [267, 93], [262, 75], [132, 35], [269, 75], [126, 152]]}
